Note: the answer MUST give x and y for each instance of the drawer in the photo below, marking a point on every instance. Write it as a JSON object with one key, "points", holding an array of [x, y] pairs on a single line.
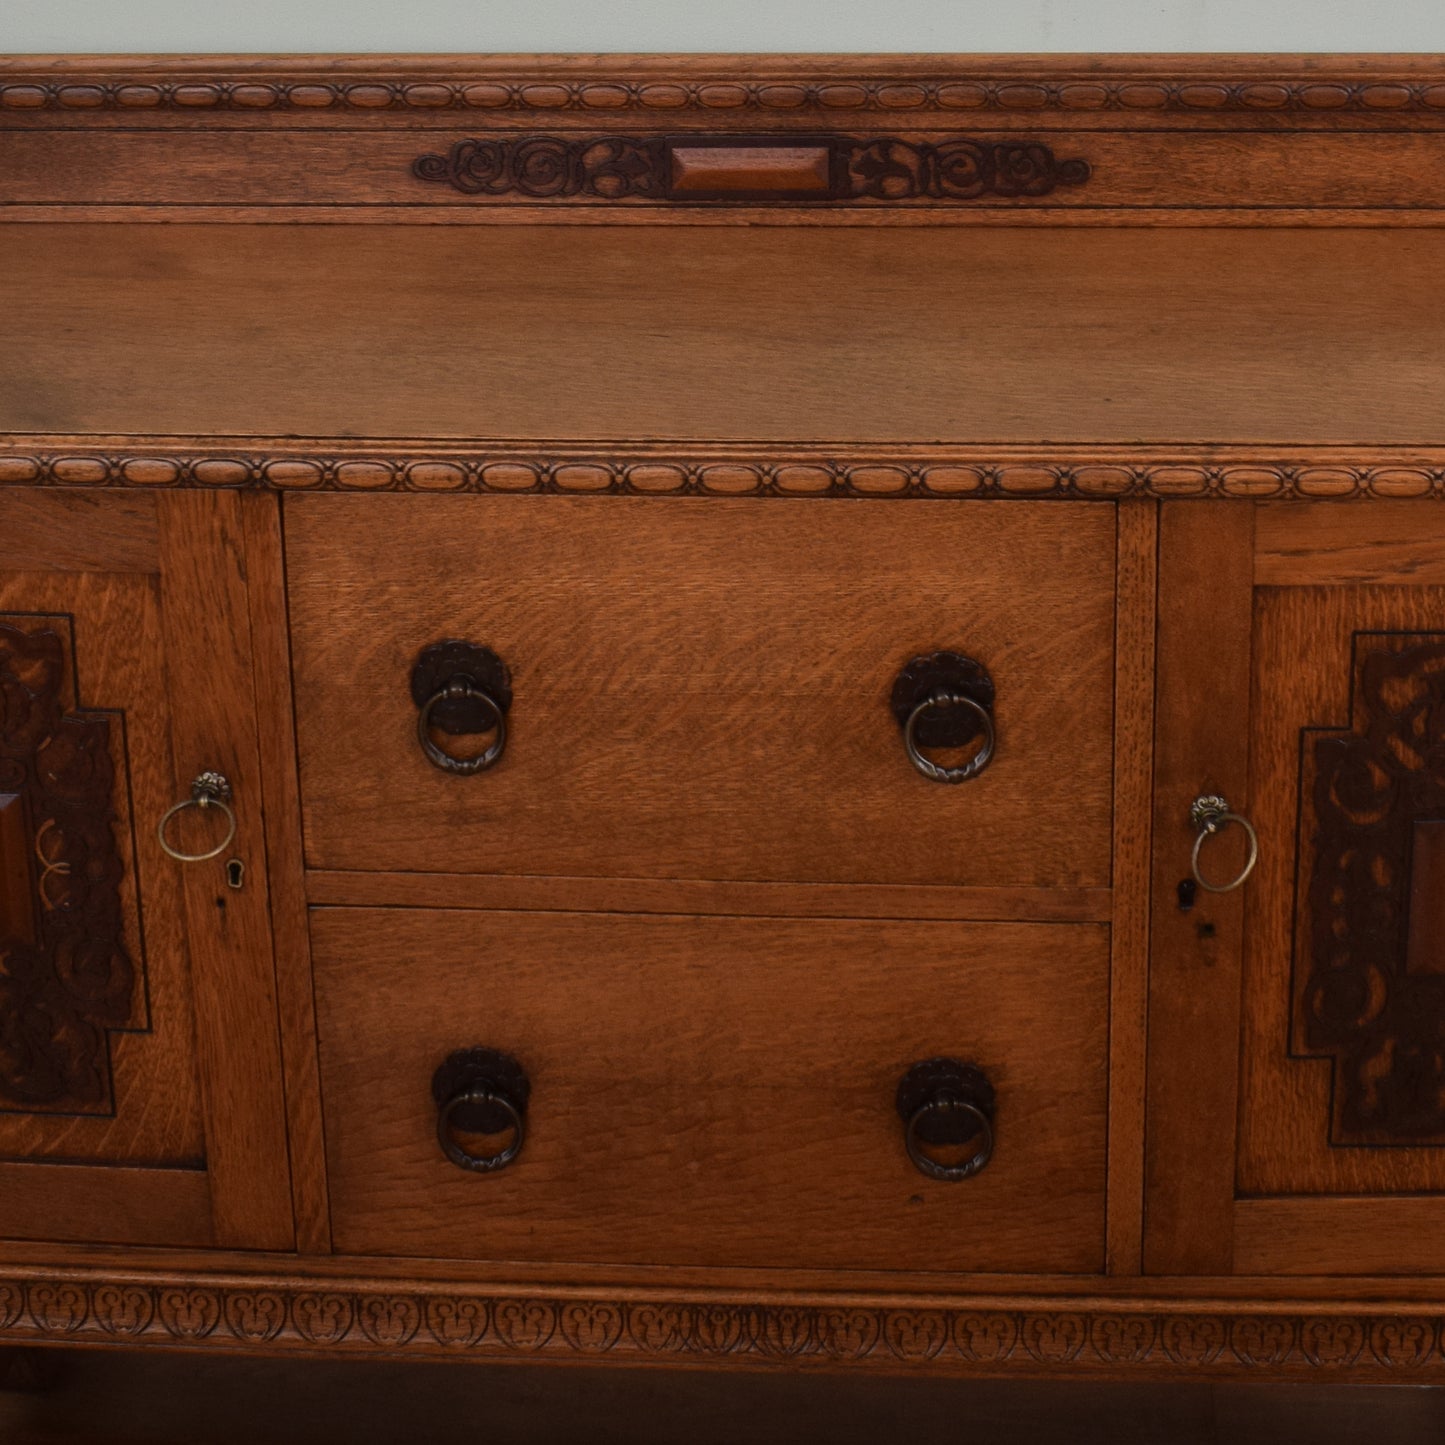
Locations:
{"points": [[713, 1091], [701, 688]]}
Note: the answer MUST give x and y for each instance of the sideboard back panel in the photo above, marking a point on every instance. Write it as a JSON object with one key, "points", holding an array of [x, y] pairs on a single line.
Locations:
{"points": [[566, 332]]}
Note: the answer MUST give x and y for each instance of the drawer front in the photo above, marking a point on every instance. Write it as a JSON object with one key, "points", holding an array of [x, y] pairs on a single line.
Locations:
{"points": [[714, 1091], [701, 688]]}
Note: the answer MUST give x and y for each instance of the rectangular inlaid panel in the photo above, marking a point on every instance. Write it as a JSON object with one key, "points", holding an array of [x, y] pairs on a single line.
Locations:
{"points": [[714, 1091], [701, 687], [1344, 1004]]}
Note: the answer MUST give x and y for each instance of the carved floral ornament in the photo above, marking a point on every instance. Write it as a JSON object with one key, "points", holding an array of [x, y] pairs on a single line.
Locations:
{"points": [[1372, 991], [879, 168], [358, 1317], [662, 472], [66, 978]]}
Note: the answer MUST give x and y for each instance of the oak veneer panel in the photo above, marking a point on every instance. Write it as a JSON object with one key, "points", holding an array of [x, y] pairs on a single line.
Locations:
{"points": [[1319, 544], [1201, 745], [1137, 593], [700, 687], [211, 688], [1340, 1235], [714, 1091], [107, 1204], [115, 620], [282, 171], [692, 895], [721, 333], [276, 740], [85, 531]]}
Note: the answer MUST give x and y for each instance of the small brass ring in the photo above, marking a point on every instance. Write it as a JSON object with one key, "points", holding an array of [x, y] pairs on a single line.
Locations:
{"points": [[480, 1163], [950, 1172], [438, 757], [935, 771], [1216, 824], [204, 801]]}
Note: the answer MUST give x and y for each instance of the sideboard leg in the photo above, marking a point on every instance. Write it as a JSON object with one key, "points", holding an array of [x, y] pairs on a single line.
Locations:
{"points": [[30, 1372]]}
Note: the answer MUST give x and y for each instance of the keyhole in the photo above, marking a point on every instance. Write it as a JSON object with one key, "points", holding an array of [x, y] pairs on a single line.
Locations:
{"points": [[235, 874]]}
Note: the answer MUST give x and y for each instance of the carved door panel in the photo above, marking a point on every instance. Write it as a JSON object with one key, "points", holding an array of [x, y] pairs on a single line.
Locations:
{"points": [[140, 1096], [1297, 1024]]}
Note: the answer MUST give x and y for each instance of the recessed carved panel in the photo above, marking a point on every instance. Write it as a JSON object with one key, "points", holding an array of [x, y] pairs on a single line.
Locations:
{"points": [[66, 977], [1370, 990], [747, 170]]}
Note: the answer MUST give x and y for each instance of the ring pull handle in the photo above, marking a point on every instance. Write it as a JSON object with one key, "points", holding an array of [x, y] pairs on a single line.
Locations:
{"points": [[461, 688], [947, 1108], [481, 1092], [209, 790], [1211, 814], [945, 700]]}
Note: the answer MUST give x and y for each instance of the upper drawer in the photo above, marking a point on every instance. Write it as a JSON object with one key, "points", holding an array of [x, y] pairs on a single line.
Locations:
{"points": [[700, 688]]}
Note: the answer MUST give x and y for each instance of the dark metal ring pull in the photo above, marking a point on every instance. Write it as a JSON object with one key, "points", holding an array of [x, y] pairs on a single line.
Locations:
{"points": [[945, 700], [461, 688], [946, 1104], [481, 1091]]}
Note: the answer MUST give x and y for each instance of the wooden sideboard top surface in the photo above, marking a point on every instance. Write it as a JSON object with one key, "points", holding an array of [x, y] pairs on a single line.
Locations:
{"points": [[1090, 276]]}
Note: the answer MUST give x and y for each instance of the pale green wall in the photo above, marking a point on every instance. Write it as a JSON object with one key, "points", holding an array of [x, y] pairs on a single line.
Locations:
{"points": [[897, 25]]}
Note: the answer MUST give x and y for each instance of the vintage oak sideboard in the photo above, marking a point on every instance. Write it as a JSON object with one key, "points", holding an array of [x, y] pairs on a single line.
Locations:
{"points": [[771, 711]]}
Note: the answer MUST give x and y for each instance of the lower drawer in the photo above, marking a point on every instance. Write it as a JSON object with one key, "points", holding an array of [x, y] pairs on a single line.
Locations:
{"points": [[714, 1091]]}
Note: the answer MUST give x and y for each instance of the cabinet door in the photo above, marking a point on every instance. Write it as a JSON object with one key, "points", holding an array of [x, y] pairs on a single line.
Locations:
{"points": [[140, 1083], [1297, 1023]]}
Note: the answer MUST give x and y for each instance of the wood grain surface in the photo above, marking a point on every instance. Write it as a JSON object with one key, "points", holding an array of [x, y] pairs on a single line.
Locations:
{"points": [[1134, 653], [701, 688], [786, 335], [714, 1091], [1201, 746], [276, 744], [120, 659], [195, 1150], [210, 687]]}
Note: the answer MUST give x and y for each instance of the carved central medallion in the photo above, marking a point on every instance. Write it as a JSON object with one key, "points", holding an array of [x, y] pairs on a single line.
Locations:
{"points": [[748, 170], [66, 977], [1371, 993]]}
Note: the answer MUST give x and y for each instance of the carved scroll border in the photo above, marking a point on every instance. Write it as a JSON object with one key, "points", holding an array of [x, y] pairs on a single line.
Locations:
{"points": [[62, 1025], [648, 469], [1359, 798], [960, 1337]]}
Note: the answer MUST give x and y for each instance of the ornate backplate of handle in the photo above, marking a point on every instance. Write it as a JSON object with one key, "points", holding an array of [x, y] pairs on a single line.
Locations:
{"points": [[945, 700], [947, 1108], [481, 1092], [461, 689]]}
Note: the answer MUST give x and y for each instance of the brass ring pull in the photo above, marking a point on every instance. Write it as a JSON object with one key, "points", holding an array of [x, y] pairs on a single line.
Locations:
{"points": [[461, 689], [209, 790], [480, 1099], [1211, 814], [951, 1172], [936, 771]]}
